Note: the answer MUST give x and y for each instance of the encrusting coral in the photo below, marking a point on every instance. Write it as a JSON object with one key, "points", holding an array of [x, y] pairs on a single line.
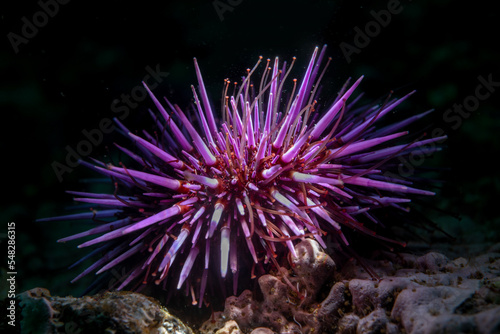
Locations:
{"points": [[415, 294]]}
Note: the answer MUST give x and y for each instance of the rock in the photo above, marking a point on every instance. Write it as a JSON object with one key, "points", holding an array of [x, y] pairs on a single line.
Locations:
{"points": [[312, 265], [488, 321], [216, 321], [432, 261], [288, 299], [426, 294], [329, 308], [112, 312], [262, 330], [240, 308], [368, 294], [375, 322], [230, 327], [348, 324]]}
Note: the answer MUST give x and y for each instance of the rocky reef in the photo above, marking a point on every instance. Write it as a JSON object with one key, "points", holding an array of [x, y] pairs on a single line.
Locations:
{"points": [[424, 294], [415, 294], [112, 312]]}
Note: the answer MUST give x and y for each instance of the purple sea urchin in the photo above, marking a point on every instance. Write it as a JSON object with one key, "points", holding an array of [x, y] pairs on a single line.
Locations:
{"points": [[204, 197]]}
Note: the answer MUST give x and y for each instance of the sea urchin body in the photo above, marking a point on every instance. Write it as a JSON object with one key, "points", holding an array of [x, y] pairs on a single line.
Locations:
{"points": [[208, 196]]}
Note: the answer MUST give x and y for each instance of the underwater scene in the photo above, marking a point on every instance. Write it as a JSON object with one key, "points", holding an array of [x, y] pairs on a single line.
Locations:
{"points": [[257, 167]]}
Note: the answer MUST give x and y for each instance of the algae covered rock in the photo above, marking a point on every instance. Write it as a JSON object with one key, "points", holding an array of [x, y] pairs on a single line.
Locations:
{"points": [[111, 312]]}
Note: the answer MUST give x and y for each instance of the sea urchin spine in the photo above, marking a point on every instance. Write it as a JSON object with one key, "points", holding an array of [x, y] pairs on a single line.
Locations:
{"points": [[274, 171]]}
